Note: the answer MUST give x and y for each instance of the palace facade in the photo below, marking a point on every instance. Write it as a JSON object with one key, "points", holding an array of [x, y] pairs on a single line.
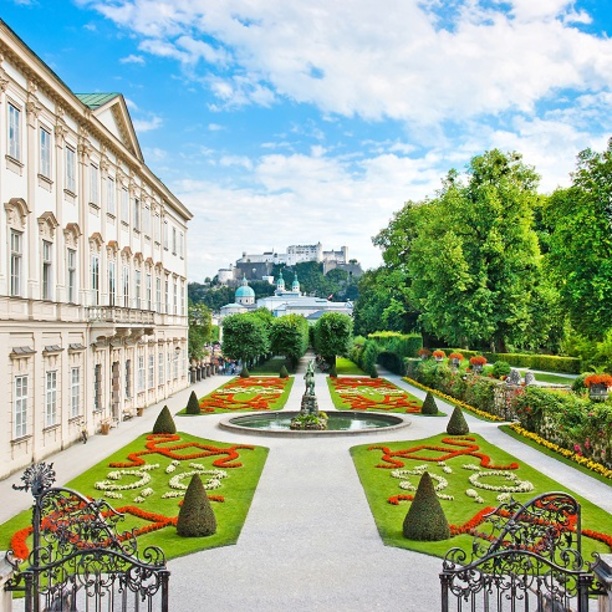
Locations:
{"points": [[93, 296]]}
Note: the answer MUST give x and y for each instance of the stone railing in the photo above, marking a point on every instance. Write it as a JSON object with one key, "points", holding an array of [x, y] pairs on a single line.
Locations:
{"points": [[116, 314]]}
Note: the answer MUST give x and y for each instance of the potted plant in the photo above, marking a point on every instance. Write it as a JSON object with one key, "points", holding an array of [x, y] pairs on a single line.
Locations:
{"points": [[438, 355], [455, 359], [423, 353], [105, 425], [477, 362], [598, 386]]}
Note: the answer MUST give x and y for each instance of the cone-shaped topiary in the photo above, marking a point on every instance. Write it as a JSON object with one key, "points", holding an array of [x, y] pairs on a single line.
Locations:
{"points": [[333, 372], [429, 405], [244, 373], [283, 372], [425, 521], [164, 423], [193, 405], [374, 372], [196, 517], [457, 426]]}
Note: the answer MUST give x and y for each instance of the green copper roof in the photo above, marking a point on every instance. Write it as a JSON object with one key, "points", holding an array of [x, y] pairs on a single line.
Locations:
{"points": [[96, 100]]}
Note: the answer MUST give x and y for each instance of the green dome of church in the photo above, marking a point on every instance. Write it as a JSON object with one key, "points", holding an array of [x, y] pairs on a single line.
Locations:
{"points": [[244, 291]]}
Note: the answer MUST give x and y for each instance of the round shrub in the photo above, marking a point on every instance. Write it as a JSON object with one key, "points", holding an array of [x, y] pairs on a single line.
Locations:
{"points": [[244, 373], [164, 424], [283, 372], [457, 426], [193, 404], [500, 368], [425, 521], [196, 517], [429, 405]]}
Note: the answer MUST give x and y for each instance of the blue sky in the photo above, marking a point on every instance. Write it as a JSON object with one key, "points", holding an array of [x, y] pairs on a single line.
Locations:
{"points": [[284, 123]]}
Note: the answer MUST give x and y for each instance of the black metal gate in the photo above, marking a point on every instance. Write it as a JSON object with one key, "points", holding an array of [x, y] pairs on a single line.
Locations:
{"points": [[79, 561], [525, 558]]}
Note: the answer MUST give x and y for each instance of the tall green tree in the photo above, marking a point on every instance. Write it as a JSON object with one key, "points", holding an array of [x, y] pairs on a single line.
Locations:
{"points": [[332, 336], [245, 337], [289, 337], [580, 224], [200, 330]]}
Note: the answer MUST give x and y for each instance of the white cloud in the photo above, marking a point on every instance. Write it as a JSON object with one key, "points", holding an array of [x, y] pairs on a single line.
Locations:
{"points": [[146, 125], [132, 59]]}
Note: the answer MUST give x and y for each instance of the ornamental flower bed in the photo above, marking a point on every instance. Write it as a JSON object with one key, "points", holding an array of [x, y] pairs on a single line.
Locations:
{"points": [[248, 394], [470, 477], [359, 393], [146, 481]]}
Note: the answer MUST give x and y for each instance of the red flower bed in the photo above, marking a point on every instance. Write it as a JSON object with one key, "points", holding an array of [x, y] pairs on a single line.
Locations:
{"points": [[226, 397], [393, 398]]}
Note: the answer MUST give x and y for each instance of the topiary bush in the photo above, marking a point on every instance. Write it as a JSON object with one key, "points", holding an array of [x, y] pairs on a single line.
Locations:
{"points": [[500, 368], [164, 424], [374, 372], [244, 373], [429, 405], [283, 372], [457, 425], [196, 517], [425, 521], [193, 404]]}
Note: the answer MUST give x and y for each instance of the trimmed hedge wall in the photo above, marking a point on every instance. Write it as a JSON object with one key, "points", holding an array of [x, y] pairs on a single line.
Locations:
{"points": [[403, 345], [549, 363]]}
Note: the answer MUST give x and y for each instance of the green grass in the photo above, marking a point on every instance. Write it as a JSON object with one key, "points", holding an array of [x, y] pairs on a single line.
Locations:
{"points": [[379, 486], [556, 379], [345, 367], [237, 489]]}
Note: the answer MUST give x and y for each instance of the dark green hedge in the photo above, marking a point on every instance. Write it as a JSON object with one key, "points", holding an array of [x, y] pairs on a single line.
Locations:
{"points": [[549, 363]]}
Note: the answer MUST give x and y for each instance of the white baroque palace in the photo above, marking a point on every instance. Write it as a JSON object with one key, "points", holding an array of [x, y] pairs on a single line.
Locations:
{"points": [[93, 312]]}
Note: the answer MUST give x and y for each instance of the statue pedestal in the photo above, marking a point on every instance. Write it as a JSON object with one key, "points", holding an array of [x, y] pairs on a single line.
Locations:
{"points": [[309, 404]]}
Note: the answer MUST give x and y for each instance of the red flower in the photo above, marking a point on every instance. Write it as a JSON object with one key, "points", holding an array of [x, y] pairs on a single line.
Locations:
{"points": [[598, 379]]}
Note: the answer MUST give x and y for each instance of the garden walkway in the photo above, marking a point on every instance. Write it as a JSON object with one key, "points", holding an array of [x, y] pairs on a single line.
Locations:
{"points": [[309, 542]]}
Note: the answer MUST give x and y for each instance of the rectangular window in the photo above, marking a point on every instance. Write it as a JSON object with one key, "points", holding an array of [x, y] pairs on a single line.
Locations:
{"points": [[174, 240], [156, 228], [51, 399], [175, 294], [181, 245], [183, 311], [47, 270], [70, 169], [16, 261], [166, 235], [160, 368], [95, 280], [98, 387], [136, 214], [167, 297], [137, 287], [14, 132], [75, 392], [125, 205], [151, 370], [94, 194], [126, 287], [146, 220], [110, 195], [45, 153], [112, 284], [149, 292], [158, 295], [128, 379], [21, 406], [71, 275], [141, 373], [176, 362]]}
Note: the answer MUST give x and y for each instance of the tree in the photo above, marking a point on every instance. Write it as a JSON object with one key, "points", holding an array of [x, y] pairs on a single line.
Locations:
{"points": [[425, 520], [245, 337], [457, 425], [580, 224], [332, 335], [200, 330], [289, 337], [193, 404], [196, 517], [164, 424]]}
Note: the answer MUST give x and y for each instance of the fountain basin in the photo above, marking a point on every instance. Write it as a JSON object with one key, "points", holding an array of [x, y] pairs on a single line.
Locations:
{"points": [[340, 423]]}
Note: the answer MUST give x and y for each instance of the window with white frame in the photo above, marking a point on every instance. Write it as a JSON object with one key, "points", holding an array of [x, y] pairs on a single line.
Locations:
{"points": [[98, 387], [16, 262], [181, 245], [156, 228], [44, 163], [126, 286], [125, 205], [174, 240], [14, 132], [51, 399], [149, 290], [75, 392], [137, 287], [71, 275], [20, 406], [167, 296], [110, 195], [47, 270], [151, 370], [70, 169], [183, 311], [160, 367], [146, 220], [169, 366], [176, 363], [95, 280], [141, 373], [175, 297], [158, 294], [166, 235], [112, 283], [137, 214], [128, 379], [94, 181]]}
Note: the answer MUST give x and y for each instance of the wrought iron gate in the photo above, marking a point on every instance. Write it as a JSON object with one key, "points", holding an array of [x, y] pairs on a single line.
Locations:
{"points": [[524, 558], [79, 561]]}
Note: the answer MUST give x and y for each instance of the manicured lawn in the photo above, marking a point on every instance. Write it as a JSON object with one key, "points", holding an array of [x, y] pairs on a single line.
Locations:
{"points": [[556, 379], [364, 393], [376, 463], [240, 466], [247, 394], [346, 367]]}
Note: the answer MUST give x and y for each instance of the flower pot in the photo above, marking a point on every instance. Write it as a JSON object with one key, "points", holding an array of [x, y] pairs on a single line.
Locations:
{"points": [[104, 428], [598, 393], [139, 411]]}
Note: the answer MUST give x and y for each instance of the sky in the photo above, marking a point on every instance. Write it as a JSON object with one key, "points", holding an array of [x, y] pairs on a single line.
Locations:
{"points": [[283, 122]]}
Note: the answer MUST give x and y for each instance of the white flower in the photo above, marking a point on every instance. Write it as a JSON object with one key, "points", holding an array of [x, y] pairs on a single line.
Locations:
{"points": [[517, 485], [107, 485]]}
